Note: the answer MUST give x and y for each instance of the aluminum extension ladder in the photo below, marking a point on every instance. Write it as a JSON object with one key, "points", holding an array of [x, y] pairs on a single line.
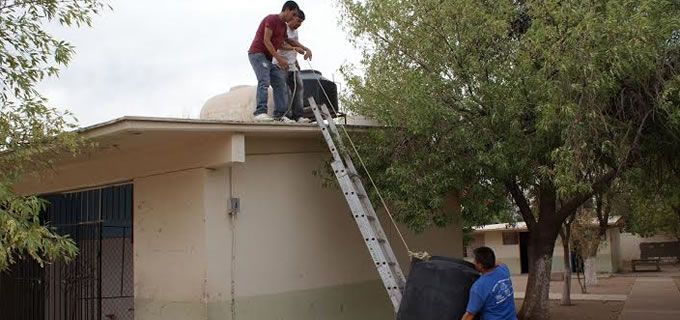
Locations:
{"points": [[362, 210]]}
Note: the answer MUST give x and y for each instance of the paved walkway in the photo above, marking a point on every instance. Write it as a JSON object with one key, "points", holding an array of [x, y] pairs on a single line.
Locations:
{"points": [[580, 297], [652, 299]]}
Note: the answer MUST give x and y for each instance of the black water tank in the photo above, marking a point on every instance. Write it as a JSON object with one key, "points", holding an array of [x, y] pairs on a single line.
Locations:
{"points": [[437, 289], [313, 83]]}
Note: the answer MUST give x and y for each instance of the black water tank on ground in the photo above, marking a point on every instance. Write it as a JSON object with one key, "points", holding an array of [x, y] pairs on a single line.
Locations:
{"points": [[437, 289], [310, 81]]}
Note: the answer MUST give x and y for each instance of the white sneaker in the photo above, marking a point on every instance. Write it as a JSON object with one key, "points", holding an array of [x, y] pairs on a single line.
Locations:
{"points": [[263, 117], [303, 120], [285, 119]]}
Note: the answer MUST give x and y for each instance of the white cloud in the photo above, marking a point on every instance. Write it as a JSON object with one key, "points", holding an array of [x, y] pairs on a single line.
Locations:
{"points": [[167, 57]]}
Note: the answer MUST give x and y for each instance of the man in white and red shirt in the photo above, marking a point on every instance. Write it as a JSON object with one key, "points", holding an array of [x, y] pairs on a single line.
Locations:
{"points": [[294, 80], [271, 36]]}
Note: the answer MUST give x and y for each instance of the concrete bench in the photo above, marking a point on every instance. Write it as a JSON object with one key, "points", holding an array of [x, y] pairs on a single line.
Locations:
{"points": [[645, 262]]}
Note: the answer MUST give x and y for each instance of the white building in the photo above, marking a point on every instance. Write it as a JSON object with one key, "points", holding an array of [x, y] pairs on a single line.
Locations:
{"points": [[291, 251], [510, 244]]}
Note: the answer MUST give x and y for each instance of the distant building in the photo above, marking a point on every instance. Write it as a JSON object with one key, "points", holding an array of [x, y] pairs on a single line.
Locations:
{"points": [[511, 242]]}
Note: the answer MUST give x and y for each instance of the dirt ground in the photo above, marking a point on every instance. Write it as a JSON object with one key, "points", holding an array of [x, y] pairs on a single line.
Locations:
{"points": [[584, 310], [618, 284]]}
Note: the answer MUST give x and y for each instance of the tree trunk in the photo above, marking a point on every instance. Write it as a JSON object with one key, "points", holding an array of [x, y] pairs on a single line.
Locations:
{"points": [[566, 290], [590, 271], [582, 284], [677, 231], [536, 303]]}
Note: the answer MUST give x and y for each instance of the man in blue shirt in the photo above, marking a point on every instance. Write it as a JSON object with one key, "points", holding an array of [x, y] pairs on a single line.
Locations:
{"points": [[491, 296]]}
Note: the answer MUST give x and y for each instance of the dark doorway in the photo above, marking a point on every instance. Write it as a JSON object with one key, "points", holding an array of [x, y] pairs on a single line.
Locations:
{"points": [[576, 262], [524, 251], [98, 283]]}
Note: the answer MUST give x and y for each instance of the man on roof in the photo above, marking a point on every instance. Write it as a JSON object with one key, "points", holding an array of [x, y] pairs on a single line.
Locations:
{"points": [[293, 78], [271, 36]]}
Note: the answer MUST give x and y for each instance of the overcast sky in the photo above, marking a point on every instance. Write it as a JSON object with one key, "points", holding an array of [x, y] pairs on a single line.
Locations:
{"points": [[165, 58]]}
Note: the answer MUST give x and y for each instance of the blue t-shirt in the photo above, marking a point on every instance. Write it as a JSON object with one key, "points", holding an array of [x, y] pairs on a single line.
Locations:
{"points": [[492, 297]]}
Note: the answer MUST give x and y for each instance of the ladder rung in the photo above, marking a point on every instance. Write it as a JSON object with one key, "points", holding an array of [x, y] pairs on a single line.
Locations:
{"points": [[389, 263], [380, 240]]}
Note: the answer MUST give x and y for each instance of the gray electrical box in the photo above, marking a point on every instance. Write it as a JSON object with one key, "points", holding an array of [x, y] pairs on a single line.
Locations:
{"points": [[234, 205]]}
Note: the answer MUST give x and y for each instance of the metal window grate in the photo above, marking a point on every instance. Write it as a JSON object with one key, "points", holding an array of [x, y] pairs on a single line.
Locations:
{"points": [[95, 285]]}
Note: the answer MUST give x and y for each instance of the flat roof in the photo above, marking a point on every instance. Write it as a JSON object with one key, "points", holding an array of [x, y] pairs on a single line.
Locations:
{"points": [[141, 124], [522, 226]]}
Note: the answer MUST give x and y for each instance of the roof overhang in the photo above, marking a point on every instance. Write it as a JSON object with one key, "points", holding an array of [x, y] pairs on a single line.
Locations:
{"points": [[613, 222], [131, 134], [148, 124]]}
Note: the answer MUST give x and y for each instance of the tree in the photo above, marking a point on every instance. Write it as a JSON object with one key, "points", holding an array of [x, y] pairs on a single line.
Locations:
{"points": [[528, 102], [31, 132], [590, 228], [565, 236], [586, 241], [654, 203]]}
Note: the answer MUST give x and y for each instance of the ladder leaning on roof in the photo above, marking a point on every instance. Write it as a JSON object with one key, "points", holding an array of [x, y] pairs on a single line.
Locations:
{"points": [[362, 210]]}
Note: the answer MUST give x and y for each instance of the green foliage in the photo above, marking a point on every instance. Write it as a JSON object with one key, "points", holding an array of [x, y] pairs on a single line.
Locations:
{"points": [[651, 193], [553, 96], [545, 102], [33, 134], [24, 236], [585, 233], [430, 178], [653, 204]]}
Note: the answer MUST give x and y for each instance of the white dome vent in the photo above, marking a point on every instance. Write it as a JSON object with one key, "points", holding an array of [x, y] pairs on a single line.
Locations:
{"points": [[236, 105]]}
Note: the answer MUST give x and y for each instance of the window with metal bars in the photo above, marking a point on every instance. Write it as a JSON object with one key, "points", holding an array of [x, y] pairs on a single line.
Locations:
{"points": [[98, 284]]}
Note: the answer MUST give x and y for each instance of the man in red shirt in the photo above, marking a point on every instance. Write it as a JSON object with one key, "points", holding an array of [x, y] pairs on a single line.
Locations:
{"points": [[271, 36]]}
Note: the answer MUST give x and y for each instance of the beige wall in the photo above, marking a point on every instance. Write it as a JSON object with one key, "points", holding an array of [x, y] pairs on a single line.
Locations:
{"points": [[170, 254], [605, 262], [507, 254], [446, 241], [615, 245], [122, 160], [630, 246], [292, 252], [510, 254], [218, 237], [296, 238], [288, 216], [182, 245]]}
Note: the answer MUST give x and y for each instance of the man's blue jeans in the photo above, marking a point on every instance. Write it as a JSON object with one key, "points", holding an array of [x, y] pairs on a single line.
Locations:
{"points": [[296, 89], [268, 74]]}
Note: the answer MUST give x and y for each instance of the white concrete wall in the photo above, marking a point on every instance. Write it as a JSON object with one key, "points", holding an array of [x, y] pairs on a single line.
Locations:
{"points": [[615, 244], [510, 254], [288, 215], [292, 252], [122, 161], [604, 261], [170, 254], [218, 238], [507, 254], [630, 246]]}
